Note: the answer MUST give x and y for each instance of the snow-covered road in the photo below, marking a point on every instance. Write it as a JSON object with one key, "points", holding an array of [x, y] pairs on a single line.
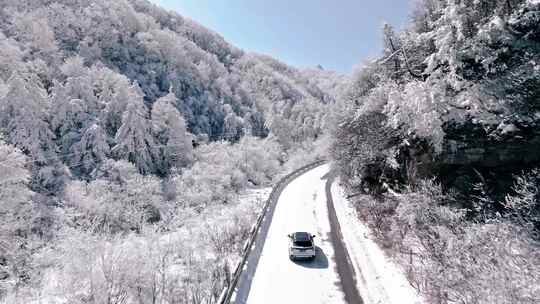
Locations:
{"points": [[349, 268], [301, 207]]}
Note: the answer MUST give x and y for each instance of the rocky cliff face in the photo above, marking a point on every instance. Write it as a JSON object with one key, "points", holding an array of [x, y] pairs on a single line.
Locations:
{"points": [[475, 152], [510, 143]]}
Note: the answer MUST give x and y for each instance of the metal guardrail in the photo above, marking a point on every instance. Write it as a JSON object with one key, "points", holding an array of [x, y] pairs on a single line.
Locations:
{"points": [[228, 291]]}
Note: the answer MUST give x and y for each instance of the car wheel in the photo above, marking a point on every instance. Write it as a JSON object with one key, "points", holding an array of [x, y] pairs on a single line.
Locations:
{"points": [[291, 257]]}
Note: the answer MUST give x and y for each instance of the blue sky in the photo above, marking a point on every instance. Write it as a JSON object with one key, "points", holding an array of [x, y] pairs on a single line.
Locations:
{"points": [[336, 34]]}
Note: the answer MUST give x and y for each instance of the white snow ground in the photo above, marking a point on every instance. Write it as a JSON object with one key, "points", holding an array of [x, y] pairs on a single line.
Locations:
{"points": [[378, 279], [301, 207]]}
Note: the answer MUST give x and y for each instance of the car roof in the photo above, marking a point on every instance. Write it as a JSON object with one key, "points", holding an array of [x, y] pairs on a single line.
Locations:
{"points": [[301, 236]]}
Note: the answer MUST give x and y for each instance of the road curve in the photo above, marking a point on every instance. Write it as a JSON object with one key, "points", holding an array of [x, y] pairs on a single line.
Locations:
{"points": [[270, 277]]}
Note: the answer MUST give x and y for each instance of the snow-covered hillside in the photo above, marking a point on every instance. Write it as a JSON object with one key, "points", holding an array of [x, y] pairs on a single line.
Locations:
{"points": [[120, 120], [447, 116]]}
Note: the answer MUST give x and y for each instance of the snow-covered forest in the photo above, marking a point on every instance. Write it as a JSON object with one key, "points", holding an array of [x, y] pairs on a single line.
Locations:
{"points": [[128, 135], [137, 146], [438, 141]]}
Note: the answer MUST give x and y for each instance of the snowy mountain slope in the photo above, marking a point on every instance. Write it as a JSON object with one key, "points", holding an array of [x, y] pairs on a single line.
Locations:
{"points": [[120, 120], [448, 116]]}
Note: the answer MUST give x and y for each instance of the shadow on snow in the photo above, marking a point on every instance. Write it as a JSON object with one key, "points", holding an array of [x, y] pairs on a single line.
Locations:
{"points": [[320, 261]]}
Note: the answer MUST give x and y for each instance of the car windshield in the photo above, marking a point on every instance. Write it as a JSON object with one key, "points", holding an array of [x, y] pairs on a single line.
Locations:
{"points": [[302, 243]]}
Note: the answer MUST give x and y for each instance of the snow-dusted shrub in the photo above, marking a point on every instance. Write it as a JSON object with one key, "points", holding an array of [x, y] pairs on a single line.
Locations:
{"points": [[120, 200], [227, 229], [524, 204], [133, 269], [187, 265], [223, 169]]}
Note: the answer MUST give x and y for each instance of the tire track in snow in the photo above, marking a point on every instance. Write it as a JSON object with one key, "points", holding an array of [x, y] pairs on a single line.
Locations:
{"points": [[343, 261]]}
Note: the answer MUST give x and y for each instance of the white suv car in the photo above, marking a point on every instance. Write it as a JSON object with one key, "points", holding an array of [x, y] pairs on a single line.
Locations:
{"points": [[301, 246]]}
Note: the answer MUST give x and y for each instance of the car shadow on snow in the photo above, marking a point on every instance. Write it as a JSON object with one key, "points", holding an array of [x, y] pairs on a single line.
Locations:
{"points": [[320, 261]]}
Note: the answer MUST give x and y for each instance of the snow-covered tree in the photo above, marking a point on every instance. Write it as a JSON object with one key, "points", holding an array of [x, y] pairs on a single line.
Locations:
{"points": [[134, 141], [23, 113], [115, 92], [67, 121], [90, 151], [79, 82], [416, 108], [16, 212], [10, 57], [14, 177], [233, 125], [392, 50], [34, 30], [169, 127]]}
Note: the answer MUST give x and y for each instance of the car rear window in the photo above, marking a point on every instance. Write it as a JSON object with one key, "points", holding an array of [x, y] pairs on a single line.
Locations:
{"points": [[302, 239], [302, 243], [302, 236]]}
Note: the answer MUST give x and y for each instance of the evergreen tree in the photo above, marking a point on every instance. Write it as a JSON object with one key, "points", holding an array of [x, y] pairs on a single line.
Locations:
{"points": [[174, 141], [134, 141], [23, 115], [90, 151]]}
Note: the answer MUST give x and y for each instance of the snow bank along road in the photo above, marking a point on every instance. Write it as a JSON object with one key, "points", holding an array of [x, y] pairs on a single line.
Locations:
{"points": [[348, 263], [302, 206]]}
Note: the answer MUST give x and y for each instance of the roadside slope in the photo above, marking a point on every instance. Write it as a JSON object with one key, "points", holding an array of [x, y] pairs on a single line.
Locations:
{"points": [[379, 280]]}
